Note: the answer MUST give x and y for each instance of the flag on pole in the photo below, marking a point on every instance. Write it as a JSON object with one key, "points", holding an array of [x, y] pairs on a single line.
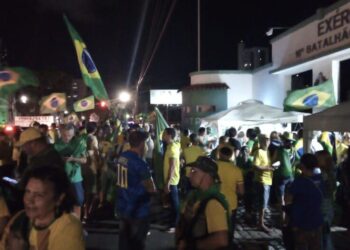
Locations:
{"points": [[56, 102], [88, 69], [160, 125], [12, 79], [84, 104], [320, 96]]}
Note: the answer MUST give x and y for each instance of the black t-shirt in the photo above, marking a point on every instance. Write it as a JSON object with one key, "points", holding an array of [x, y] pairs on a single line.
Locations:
{"points": [[236, 144]]}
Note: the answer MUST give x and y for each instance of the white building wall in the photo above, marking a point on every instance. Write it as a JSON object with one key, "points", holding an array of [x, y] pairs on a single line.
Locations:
{"points": [[240, 83], [269, 88]]}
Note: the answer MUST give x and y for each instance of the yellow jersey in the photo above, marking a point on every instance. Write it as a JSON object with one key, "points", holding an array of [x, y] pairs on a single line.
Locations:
{"points": [[261, 159], [230, 175], [172, 151]]}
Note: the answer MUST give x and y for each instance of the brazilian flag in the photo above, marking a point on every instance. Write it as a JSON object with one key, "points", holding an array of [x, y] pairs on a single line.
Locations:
{"points": [[160, 125], [56, 102], [84, 104], [12, 79], [320, 96], [88, 69]]}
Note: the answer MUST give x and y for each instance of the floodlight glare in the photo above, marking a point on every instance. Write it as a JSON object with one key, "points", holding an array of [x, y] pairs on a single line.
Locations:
{"points": [[24, 99], [124, 96]]}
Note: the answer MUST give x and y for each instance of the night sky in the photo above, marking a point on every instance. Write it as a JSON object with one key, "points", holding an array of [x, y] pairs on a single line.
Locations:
{"points": [[36, 37]]}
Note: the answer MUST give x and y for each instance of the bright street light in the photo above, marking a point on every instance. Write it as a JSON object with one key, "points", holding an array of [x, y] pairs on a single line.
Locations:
{"points": [[124, 96], [24, 99]]}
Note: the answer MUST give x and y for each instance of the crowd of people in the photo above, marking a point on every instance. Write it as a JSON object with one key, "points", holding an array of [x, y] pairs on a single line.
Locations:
{"points": [[53, 180]]}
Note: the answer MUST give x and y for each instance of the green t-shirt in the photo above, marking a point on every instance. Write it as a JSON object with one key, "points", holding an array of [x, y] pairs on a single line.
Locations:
{"points": [[285, 169], [75, 148]]}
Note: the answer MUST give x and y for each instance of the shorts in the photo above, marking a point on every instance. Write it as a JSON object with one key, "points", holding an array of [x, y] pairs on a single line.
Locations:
{"points": [[78, 193], [263, 195]]}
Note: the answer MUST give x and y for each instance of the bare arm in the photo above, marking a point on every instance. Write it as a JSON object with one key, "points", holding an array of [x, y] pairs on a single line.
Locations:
{"points": [[214, 240], [81, 160], [240, 189], [263, 167]]}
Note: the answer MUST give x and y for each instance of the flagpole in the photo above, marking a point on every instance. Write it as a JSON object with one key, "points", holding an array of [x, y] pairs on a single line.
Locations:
{"points": [[198, 35]]}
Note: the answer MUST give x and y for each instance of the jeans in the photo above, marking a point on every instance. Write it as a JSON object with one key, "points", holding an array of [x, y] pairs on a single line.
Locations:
{"points": [[175, 204], [283, 184], [328, 215], [133, 233], [263, 195], [79, 193]]}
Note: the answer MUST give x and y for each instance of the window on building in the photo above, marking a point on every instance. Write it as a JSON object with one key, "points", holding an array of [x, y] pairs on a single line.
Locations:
{"points": [[186, 109], [344, 78], [205, 108], [302, 80]]}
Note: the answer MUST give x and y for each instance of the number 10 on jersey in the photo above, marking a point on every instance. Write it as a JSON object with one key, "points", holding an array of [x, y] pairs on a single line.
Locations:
{"points": [[122, 176]]}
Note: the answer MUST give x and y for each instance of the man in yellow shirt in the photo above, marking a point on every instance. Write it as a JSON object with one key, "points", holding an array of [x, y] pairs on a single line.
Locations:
{"points": [[190, 154], [172, 173], [185, 139], [263, 177], [231, 181], [204, 223]]}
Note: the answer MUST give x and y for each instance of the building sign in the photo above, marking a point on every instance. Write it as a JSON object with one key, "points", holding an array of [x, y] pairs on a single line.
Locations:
{"points": [[166, 97], [330, 31], [26, 121], [316, 38]]}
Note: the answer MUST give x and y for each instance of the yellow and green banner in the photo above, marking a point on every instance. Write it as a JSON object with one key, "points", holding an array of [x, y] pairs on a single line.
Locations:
{"points": [[56, 102], [88, 69], [320, 96], [158, 153], [85, 104]]}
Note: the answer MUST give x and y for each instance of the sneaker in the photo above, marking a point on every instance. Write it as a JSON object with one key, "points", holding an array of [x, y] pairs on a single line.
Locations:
{"points": [[171, 230]]}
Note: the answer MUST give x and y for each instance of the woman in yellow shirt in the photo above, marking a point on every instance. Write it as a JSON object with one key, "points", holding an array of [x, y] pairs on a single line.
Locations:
{"points": [[46, 222]]}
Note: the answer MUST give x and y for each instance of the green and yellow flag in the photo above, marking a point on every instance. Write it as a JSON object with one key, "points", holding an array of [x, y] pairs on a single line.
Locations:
{"points": [[12, 79], [88, 69], [160, 125], [84, 104], [56, 102], [320, 96], [3, 111]]}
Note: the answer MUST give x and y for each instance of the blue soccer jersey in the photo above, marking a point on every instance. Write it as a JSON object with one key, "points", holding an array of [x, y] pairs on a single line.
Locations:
{"points": [[132, 199]]}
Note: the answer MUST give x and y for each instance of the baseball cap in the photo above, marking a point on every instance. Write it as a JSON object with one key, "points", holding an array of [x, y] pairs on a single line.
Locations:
{"points": [[28, 135], [288, 136], [207, 165]]}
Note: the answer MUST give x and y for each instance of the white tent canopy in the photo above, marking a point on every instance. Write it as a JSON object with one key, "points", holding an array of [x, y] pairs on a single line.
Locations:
{"points": [[336, 118], [250, 113]]}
